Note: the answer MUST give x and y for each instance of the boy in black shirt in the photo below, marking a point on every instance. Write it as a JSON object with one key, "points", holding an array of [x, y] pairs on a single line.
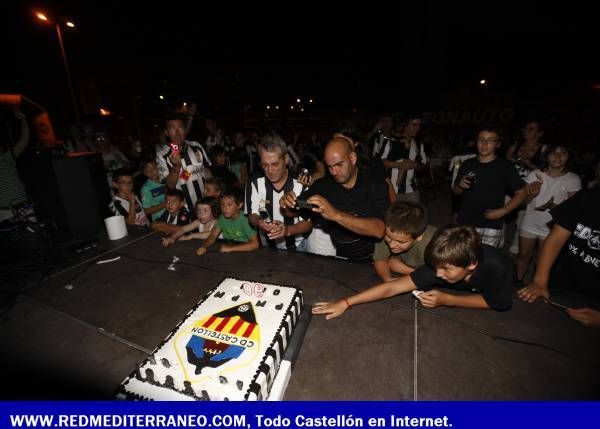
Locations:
{"points": [[455, 259], [577, 225], [482, 182]]}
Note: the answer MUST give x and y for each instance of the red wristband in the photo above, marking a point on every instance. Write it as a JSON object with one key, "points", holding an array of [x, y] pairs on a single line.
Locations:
{"points": [[347, 302]]}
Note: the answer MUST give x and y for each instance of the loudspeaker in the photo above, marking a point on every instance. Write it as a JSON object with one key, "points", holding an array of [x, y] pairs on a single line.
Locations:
{"points": [[70, 193]]}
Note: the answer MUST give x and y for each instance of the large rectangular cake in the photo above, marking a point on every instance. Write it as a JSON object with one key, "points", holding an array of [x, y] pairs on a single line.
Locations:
{"points": [[228, 347]]}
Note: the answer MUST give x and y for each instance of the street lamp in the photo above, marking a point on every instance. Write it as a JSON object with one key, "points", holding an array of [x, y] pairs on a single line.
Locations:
{"points": [[43, 17]]}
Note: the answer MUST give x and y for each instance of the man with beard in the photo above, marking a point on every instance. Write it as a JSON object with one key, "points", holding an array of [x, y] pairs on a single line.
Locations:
{"points": [[349, 199]]}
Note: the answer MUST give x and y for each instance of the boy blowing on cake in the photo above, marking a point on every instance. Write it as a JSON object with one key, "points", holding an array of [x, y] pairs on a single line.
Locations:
{"points": [[234, 226], [455, 259], [483, 182], [407, 234]]}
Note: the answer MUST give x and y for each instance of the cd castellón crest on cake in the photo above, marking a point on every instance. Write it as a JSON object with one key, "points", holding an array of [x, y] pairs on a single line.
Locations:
{"points": [[232, 334]]}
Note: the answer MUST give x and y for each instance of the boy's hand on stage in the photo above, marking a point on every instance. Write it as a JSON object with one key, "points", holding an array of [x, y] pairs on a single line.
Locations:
{"points": [[201, 251], [586, 316], [167, 241], [532, 292], [331, 309], [432, 298]]}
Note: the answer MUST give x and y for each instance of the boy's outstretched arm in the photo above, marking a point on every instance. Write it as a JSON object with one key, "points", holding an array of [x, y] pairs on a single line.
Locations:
{"points": [[164, 227], [249, 246], [166, 241], [382, 291]]}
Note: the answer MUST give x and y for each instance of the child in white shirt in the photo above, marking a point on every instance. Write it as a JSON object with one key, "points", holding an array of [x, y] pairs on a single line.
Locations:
{"points": [[546, 190]]}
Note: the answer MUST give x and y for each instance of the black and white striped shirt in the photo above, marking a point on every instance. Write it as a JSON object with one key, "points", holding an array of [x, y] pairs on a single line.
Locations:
{"points": [[120, 207], [192, 173], [182, 217], [395, 150], [260, 191]]}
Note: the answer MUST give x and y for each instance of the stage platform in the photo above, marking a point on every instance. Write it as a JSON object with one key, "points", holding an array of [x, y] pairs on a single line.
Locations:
{"points": [[80, 333]]}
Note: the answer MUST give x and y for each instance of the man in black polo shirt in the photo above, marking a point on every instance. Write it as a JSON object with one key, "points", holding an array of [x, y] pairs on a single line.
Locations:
{"points": [[349, 200]]}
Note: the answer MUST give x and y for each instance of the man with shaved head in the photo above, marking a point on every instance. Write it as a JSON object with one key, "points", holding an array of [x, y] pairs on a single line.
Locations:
{"points": [[349, 201]]}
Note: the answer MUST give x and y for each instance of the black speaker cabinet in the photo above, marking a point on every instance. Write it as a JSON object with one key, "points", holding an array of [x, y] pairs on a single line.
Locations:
{"points": [[71, 193]]}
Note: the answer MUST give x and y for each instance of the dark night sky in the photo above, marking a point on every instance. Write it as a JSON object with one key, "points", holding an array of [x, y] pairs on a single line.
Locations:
{"points": [[353, 56]]}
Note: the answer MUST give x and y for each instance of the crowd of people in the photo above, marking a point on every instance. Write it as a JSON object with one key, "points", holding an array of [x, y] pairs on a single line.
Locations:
{"points": [[357, 196]]}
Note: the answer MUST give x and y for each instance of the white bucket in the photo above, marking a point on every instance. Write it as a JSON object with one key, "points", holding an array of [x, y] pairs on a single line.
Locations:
{"points": [[116, 228]]}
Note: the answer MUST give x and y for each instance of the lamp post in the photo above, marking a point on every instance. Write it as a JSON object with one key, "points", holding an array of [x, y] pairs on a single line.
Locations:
{"points": [[57, 25]]}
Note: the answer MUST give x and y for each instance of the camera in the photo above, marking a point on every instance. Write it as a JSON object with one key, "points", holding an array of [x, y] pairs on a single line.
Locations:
{"points": [[472, 176], [303, 204], [264, 214], [303, 173]]}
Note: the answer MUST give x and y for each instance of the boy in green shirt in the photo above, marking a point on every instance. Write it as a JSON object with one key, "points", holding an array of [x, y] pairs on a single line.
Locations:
{"points": [[406, 236], [234, 226]]}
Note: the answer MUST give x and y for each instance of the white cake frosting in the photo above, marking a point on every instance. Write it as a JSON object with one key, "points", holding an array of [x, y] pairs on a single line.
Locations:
{"points": [[228, 347]]}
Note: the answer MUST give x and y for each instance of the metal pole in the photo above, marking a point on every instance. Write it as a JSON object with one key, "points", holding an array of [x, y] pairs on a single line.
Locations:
{"points": [[64, 56]]}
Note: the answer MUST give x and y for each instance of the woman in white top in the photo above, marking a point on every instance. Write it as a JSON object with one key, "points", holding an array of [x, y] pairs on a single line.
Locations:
{"points": [[546, 189]]}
